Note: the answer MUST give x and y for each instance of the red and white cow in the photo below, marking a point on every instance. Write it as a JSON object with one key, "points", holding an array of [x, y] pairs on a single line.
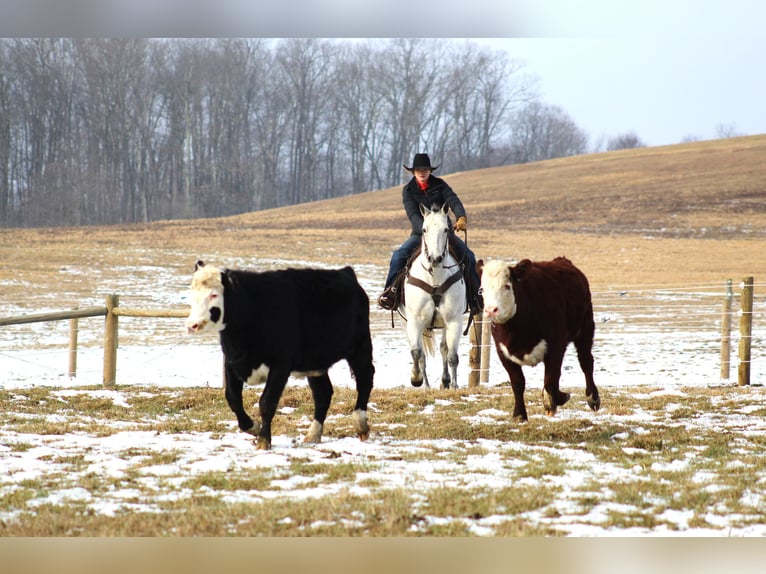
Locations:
{"points": [[537, 309]]}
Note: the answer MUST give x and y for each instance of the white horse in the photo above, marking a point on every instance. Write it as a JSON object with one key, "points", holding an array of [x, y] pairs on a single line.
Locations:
{"points": [[434, 298]]}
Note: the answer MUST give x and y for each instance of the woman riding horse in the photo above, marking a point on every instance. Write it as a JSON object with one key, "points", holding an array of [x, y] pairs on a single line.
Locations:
{"points": [[427, 190]]}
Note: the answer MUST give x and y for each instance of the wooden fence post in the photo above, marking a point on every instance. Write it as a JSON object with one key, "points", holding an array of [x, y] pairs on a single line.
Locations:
{"points": [[745, 331], [726, 332], [474, 353], [110, 341], [486, 347], [73, 331]]}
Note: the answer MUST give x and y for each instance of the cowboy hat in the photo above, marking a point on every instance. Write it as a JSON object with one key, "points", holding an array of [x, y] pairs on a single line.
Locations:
{"points": [[421, 161]]}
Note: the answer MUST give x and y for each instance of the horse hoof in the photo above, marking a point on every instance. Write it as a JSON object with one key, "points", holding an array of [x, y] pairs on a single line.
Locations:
{"points": [[416, 383], [594, 402]]}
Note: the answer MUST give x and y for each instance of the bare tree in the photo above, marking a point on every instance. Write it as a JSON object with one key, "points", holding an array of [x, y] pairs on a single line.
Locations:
{"points": [[627, 140], [725, 131], [118, 130], [543, 131]]}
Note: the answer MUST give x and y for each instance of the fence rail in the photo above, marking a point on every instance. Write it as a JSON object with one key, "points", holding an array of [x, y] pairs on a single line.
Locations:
{"points": [[632, 309], [111, 311]]}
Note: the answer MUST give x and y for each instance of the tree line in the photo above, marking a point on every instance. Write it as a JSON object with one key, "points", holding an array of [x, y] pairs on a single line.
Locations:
{"points": [[103, 131]]}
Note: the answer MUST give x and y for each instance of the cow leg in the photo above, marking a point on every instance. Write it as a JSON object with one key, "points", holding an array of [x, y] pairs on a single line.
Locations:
{"points": [[267, 404], [234, 397], [518, 384], [363, 370], [552, 396], [321, 390], [584, 346]]}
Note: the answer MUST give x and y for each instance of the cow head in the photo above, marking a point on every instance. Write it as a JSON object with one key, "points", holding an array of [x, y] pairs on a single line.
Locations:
{"points": [[206, 313], [497, 279]]}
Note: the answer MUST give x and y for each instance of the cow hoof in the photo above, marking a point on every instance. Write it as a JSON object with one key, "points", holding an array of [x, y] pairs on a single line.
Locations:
{"points": [[262, 443], [362, 426], [314, 436]]}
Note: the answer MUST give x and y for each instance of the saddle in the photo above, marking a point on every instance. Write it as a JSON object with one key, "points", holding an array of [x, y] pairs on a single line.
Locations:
{"points": [[401, 277]]}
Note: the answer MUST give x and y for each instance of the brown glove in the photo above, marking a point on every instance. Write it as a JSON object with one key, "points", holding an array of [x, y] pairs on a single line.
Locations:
{"points": [[460, 224]]}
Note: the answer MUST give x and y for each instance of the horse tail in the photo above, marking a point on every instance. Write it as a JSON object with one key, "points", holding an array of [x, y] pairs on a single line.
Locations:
{"points": [[429, 345]]}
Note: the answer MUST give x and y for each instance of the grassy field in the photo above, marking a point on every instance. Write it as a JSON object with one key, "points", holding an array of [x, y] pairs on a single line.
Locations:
{"points": [[685, 213], [652, 462], [439, 463]]}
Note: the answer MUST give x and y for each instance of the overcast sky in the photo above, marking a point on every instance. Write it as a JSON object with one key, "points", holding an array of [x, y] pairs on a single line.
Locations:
{"points": [[662, 89], [664, 69]]}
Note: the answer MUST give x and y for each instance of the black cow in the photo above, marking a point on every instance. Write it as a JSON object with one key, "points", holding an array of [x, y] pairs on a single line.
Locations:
{"points": [[274, 324], [537, 309]]}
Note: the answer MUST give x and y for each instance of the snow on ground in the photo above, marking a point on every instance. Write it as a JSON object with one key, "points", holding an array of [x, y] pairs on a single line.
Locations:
{"points": [[37, 355]]}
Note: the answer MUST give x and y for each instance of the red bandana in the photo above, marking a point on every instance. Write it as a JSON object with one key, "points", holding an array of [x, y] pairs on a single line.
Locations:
{"points": [[422, 186]]}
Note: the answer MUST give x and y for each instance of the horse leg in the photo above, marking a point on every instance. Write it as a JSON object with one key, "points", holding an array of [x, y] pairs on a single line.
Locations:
{"points": [[452, 333], [415, 336], [418, 375], [445, 362]]}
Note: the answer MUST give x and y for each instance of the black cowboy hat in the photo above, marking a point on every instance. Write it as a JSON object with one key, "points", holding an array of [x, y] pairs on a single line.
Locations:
{"points": [[420, 161]]}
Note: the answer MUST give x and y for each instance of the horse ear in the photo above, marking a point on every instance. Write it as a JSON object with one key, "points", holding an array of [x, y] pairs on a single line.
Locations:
{"points": [[480, 267], [423, 209], [199, 264], [445, 209]]}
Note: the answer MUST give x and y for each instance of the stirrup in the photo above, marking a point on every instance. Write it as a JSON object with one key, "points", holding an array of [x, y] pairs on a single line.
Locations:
{"points": [[387, 299]]}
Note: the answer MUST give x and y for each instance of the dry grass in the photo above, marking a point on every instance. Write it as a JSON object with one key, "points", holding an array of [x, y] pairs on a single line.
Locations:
{"points": [[692, 213], [684, 213], [637, 474]]}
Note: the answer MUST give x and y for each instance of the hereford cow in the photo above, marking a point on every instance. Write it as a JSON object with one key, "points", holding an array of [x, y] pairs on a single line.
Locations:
{"points": [[537, 309], [289, 322]]}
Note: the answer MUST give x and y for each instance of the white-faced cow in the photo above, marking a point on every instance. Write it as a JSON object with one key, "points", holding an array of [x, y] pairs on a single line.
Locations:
{"points": [[274, 324], [537, 309]]}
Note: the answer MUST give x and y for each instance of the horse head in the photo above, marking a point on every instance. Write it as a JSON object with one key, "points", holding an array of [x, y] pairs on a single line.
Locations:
{"points": [[436, 227]]}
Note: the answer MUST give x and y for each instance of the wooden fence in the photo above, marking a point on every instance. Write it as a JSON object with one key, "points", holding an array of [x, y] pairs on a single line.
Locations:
{"points": [[111, 311], [479, 353]]}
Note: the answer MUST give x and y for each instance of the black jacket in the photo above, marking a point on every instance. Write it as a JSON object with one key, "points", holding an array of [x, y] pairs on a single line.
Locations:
{"points": [[438, 193]]}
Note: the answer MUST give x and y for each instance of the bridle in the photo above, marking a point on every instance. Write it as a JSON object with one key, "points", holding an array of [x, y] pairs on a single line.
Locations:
{"points": [[445, 249], [438, 290]]}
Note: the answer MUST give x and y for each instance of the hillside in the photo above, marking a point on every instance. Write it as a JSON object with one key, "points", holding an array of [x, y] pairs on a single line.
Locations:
{"points": [[688, 212]]}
